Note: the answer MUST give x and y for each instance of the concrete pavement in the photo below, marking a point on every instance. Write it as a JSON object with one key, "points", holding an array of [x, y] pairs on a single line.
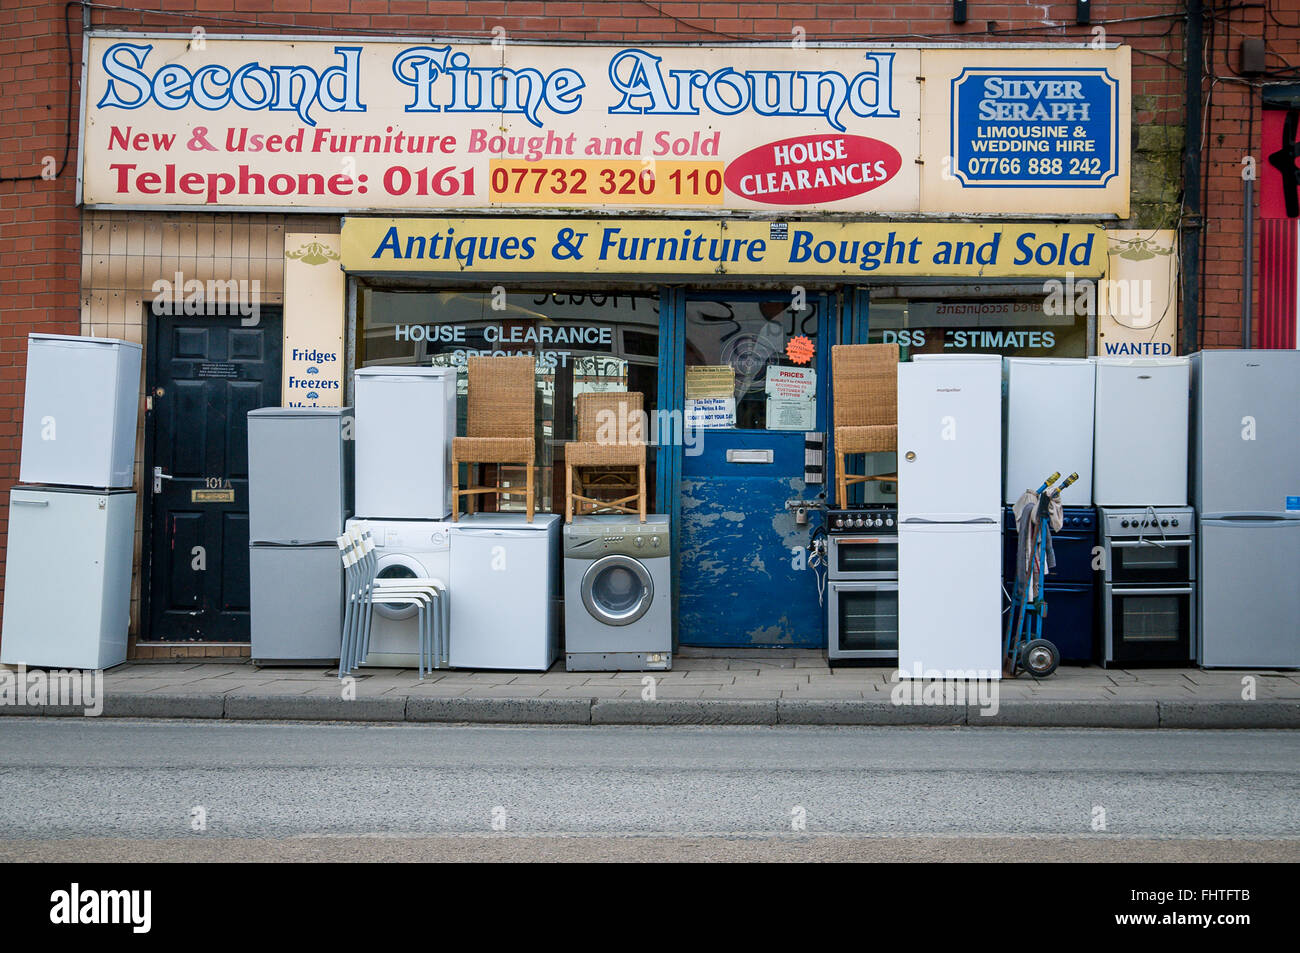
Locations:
{"points": [[763, 687]]}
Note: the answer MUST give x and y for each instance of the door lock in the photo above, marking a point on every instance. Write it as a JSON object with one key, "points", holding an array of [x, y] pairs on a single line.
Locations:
{"points": [[158, 477]]}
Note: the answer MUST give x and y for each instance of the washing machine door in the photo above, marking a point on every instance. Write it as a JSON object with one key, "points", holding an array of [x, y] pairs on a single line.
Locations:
{"points": [[617, 590], [398, 566]]}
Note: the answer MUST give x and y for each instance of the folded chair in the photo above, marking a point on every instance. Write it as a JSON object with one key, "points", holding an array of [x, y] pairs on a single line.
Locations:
{"points": [[365, 589], [608, 456], [864, 378], [500, 428]]}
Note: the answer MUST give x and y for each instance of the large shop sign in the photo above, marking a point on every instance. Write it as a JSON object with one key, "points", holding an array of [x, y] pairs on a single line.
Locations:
{"points": [[640, 246], [351, 124]]}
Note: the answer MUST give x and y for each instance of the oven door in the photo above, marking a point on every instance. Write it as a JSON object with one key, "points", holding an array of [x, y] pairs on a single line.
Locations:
{"points": [[863, 556], [1146, 624], [863, 620], [1149, 561]]}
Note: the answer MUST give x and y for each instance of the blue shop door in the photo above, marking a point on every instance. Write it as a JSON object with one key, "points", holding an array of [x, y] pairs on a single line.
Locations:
{"points": [[744, 578]]}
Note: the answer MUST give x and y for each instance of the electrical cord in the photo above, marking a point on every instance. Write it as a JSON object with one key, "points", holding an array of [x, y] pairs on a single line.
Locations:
{"points": [[67, 118]]}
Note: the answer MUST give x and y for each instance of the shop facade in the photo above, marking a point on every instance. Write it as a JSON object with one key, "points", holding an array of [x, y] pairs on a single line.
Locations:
{"points": [[748, 226]]}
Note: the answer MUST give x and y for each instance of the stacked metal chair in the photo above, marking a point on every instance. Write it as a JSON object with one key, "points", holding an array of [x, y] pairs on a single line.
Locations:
{"points": [[365, 589]]}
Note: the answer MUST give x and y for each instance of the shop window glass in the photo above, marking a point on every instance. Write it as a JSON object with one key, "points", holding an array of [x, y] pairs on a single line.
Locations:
{"points": [[582, 342], [734, 350], [1012, 327]]}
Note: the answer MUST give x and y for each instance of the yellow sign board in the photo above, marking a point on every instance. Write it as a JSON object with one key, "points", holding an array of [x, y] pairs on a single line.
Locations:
{"points": [[314, 296], [644, 247]]}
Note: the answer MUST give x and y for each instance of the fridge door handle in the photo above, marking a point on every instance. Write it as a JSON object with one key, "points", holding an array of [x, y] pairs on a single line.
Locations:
{"points": [[22, 502]]}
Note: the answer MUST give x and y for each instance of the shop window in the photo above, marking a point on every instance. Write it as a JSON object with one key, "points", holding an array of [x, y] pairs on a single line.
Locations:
{"points": [[1010, 326], [582, 342], [735, 354]]}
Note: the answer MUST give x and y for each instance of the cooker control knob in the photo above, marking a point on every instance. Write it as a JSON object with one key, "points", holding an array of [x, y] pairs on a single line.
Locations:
{"points": [[839, 522], [858, 521], [889, 521], [1173, 522], [1164, 522], [1123, 523]]}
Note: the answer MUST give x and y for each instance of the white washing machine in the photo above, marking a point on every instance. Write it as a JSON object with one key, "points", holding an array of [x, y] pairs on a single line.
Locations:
{"points": [[406, 549], [618, 594]]}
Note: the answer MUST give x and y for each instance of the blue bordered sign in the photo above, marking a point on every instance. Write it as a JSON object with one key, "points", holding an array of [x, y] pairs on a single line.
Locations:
{"points": [[1034, 128]]}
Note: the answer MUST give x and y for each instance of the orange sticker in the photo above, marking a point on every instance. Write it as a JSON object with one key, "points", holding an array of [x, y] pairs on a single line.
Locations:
{"points": [[799, 349]]}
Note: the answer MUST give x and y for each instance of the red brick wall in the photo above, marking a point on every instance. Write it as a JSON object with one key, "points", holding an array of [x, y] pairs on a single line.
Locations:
{"points": [[1233, 131], [40, 227], [39, 224]]}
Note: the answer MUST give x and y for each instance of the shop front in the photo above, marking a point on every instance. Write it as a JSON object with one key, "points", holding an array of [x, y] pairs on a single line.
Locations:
{"points": [[697, 225]]}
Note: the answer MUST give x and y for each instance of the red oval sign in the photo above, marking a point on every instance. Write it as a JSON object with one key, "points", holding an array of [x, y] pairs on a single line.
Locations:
{"points": [[809, 170]]}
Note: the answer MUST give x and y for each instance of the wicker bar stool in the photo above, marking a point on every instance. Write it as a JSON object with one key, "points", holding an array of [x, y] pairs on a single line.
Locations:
{"points": [[594, 465], [865, 381], [502, 413]]}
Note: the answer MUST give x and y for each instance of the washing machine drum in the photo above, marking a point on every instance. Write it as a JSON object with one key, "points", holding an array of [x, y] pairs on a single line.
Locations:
{"points": [[617, 590], [398, 566]]}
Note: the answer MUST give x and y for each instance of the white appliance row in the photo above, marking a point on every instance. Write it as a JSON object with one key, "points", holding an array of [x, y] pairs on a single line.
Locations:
{"points": [[72, 524], [503, 582], [1121, 424]]}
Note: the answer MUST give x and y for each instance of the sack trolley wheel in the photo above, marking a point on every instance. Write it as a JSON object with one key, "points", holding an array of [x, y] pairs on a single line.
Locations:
{"points": [[1039, 658]]}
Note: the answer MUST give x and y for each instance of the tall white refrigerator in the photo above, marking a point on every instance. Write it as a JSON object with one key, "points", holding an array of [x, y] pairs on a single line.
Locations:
{"points": [[949, 516], [1246, 486], [405, 422], [299, 499]]}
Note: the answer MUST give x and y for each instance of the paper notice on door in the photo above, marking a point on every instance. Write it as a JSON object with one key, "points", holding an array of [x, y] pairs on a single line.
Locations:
{"points": [[710, 413], [791, 398], [710, 380]]}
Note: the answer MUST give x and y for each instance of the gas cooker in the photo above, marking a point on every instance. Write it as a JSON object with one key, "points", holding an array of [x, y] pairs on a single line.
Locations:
{"points": [[1150, 521], [876, 517]]}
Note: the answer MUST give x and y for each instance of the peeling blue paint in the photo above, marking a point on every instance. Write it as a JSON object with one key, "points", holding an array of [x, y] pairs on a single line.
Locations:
{"points": [[738, 585]]}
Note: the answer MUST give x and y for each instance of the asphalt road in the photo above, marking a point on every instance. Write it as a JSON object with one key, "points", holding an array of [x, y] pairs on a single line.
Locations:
{"points": [[120, 790]]}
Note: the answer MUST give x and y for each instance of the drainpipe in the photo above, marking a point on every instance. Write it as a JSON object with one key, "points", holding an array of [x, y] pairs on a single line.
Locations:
{"points": [[1190, 239], [1248, 270]]}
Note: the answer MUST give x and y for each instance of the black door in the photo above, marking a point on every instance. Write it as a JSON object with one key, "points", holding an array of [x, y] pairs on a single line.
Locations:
{"points": [[205, 373]]}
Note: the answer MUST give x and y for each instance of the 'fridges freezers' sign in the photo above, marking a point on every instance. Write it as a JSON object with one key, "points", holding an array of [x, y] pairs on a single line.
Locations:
{"points": [[347, 124]]}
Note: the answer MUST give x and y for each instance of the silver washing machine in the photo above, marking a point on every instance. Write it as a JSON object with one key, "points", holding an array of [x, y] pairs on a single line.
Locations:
{"points": [[618, 598]]}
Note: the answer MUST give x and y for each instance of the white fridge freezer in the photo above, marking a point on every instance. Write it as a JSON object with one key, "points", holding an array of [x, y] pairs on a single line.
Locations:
{"points": [[405, 422], [950, 438], [1140, 450], [1049, 417], [80, 411], [68, 577], [505, 591], [950, 599]]}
